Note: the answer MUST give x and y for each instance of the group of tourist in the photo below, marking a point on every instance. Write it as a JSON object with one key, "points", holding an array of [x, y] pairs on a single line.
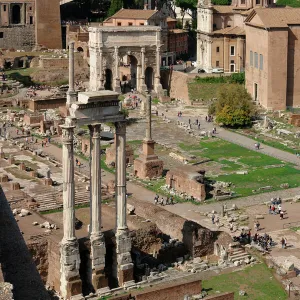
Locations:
{"points": [[275, 208], [162, 201], [209, 118], [265, 241]]}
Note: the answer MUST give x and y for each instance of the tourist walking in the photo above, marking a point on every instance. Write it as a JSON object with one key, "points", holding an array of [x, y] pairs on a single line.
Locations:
{"points": [[281, 215], [283, 244], [217, 221], [231, 226], [156, 199], [162, 201], [213, 218], [171, 200]]}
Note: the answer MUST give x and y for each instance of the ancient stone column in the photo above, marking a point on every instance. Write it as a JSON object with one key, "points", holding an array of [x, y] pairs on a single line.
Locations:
{"points": [[123, 241], [69, 250], [157, 84], [71, 94], [143, 86], [117, 79], [97, 239], [149, 119], [101, 69]]}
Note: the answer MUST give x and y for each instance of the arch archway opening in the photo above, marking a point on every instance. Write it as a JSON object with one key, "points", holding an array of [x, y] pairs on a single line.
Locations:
{"points": [[16, 14], [80, 49], [149, 78], [108, 80], [133, 71]]}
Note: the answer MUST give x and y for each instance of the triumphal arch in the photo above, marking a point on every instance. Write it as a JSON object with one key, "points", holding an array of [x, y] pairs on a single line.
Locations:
{"points": [[110, 44]]}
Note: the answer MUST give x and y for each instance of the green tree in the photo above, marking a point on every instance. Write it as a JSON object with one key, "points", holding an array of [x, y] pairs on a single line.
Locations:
{"points": [[185, 6], [234, 107], [115, 6]]}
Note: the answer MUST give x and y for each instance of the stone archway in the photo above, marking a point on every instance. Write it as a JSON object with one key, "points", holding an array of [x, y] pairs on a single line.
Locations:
{"points": [[133, 71], [149, 78], [108, 80], [16, 14]]}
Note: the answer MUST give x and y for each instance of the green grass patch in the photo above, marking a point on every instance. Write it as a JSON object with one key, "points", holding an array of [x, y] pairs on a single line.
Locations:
{"points": [[263, 170], [257, 281], [295, 228]]}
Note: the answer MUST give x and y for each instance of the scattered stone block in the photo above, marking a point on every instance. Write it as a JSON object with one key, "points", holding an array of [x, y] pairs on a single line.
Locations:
{"points": [[285, 186], [48, 181], [241, 172], [243, 218], [130, 209], [33, 174], [25, 212], [35, 223], [259, 217], [288, 266]]}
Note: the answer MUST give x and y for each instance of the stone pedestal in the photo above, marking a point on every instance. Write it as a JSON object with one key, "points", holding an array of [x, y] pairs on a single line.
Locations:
{"points": [[111, 155], [71, 284], [11, 160], [48, 181], [22, 167], [15, 186], [33, 174], [148, 165], [3, 178]]}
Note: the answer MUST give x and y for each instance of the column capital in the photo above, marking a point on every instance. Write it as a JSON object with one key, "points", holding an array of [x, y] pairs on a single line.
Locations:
{"points": [[120, 128], [143, 50], [67, 134], [96, 131]]}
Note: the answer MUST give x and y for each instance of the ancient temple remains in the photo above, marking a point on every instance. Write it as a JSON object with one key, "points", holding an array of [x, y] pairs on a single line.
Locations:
{"points": [[92, 109]]}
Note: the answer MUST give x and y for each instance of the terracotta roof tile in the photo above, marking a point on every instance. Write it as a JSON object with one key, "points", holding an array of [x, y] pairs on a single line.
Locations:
{"points": [[230, 31], [278, 17], [143, 14]]}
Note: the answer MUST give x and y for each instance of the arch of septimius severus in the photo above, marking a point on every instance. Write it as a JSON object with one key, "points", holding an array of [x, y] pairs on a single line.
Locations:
{"points": [[108, 45]]}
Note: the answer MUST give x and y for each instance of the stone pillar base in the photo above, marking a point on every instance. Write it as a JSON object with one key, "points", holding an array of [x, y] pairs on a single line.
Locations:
{"points": [[143, 87], [15, 186], [70, 282], [22, 167], [71, 97], [99, 280], [11, 161], [48, 181], [158, 89], [148, 167], [125, 274], [117, 87]]}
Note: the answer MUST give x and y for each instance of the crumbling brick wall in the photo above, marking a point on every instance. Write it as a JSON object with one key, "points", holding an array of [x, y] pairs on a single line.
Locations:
{"points": [[295, 120]]}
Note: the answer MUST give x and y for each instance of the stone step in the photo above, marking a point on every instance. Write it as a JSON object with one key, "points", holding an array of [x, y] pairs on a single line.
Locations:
{"points": [[237, 252], [239, 257]]}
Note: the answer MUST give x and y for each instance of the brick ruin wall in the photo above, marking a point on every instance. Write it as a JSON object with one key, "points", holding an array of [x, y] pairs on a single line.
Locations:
{"points": [[18, 37], [295, 120], [54, 63]]}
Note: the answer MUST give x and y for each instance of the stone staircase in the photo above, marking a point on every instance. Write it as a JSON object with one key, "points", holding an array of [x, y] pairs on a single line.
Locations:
{"points": [[238, 254], [50, 198]]}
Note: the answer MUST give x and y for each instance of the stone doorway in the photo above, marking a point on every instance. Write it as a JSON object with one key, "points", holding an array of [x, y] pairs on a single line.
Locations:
{"points": [[149, 78], [133, 71], [108, 79], [16, 14]]}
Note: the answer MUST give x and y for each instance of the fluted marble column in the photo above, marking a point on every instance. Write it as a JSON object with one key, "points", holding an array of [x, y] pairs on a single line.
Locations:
{"points": [[71, 94], [157, 84], [117, 79], [143, 86], [70, 258], [98, 250], [123, 241]]}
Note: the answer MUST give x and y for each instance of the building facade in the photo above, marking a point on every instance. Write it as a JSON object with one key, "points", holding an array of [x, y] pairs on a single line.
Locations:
{"points": [[25, 24], [177, 40], [273, 64], [221, 34]]}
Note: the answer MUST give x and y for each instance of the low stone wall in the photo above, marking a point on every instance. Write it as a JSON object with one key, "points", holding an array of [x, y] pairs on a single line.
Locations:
{"points": [[32, 119], [54, 63], [224, 296], [295, 120], [198, 240]]}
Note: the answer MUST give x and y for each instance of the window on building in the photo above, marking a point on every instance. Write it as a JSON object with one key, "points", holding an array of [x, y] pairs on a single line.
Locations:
{"points": [[261, 61], [31, 20], [257, 2], [243, 2], [218, 49], [142, 24], [255, 60], [119, 24], [1, 35], [251, 58], [129, 24], [30, 8], [217, 63], [16, 14], [232, 68], [232, 61], [4, 7], [232, 51]]}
